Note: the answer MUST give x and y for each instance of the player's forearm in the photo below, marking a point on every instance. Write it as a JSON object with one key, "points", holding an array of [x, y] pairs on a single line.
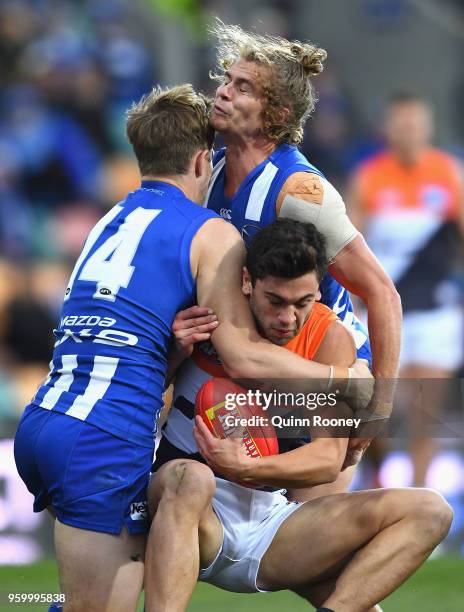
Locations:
{"points": [[269, 361], [384, 322], [255, 358], [313, 464]]}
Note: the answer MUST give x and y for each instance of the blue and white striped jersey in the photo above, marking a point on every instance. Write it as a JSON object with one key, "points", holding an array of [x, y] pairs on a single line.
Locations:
{"points": [[254, 207], [131, 279]]}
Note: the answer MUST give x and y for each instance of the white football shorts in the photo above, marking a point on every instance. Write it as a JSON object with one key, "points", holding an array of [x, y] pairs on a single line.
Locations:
{"points": [[250, 519], [433, 338]]}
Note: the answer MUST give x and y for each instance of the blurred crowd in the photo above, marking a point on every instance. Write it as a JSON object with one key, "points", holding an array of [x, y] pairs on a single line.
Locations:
{"points": [[68, 72]]}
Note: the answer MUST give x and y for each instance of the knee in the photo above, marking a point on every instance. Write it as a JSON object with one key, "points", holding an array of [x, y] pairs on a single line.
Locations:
{"points": [[434, 514], [187, 484]]}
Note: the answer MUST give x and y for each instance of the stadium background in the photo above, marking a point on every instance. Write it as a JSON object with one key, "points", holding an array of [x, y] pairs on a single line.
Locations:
{"points": [[68, 71]]}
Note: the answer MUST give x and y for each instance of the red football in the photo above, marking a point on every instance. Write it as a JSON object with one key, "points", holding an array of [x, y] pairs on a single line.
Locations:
{"points": [[227, 408]]}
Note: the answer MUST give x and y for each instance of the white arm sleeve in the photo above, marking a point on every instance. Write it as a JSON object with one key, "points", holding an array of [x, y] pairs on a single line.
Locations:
{"points": [[330, 217]]}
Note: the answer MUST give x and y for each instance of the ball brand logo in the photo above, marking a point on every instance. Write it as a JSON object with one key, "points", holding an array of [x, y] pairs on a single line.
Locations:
{"points": [[250, 446]]}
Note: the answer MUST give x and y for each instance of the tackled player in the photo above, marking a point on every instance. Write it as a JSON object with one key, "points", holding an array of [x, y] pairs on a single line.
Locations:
{"points": [[345, 552]]}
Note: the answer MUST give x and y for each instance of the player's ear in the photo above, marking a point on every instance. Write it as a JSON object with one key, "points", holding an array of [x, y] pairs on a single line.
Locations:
{"points": [[202, 163], [282, 115], [318, 296], [246, 282]]}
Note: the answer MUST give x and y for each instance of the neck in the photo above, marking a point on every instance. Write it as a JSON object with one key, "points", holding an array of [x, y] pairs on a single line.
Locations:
{"points": [[408, 157], [242, 157], [180, 181]]}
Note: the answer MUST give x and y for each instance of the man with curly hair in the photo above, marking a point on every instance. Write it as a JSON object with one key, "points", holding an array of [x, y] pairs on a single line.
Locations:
{"points": [[264, 98]]}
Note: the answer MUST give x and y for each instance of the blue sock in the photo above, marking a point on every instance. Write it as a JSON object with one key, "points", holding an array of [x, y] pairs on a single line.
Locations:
{"points": [[55, 608]]}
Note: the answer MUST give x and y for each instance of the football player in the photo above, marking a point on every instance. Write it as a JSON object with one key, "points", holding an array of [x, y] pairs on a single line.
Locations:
{"points": [[264, 98], [345, 552]]}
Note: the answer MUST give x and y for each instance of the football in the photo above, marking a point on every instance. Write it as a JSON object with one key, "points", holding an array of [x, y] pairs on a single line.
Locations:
{"points": [[225, 417]]}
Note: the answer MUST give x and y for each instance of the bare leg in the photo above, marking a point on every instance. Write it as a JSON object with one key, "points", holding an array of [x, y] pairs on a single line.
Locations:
{"points": [[185, 533], [99, 571], [382, 536], [423, 448], [317, 593]]}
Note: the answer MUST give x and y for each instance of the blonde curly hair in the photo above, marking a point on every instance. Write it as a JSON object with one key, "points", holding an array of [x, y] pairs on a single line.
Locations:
{"points": [[287, 85]]}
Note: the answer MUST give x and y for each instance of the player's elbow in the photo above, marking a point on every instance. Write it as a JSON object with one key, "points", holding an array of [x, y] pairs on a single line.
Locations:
{"points": [[330, 472], [393, 300], [390, 293], [382, 288], [245, 364], [242, 368], [332, 464]]}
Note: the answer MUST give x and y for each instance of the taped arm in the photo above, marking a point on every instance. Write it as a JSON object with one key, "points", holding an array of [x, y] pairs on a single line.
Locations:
{"points": [[309, 198]]}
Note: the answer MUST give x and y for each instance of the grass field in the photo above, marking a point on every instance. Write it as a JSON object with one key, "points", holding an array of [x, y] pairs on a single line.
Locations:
{"points": [[439, 585]]}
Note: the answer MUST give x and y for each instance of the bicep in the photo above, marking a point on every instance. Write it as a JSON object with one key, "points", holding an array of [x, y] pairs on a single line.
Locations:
{"points": [[326, 211], [220, 261]]}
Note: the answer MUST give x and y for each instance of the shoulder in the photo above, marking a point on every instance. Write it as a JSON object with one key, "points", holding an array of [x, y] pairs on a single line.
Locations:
{"points": [[321, 311], [310, 188], [444, 159], [306, 186], [216, 230], [337, 346], [312, 199], [216, 248]]}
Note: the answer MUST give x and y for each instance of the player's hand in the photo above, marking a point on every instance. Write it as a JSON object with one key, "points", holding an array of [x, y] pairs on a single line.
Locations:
{"points": [[195, 324], [375, 418], [355, 450], [360, 387], [224, 456]]}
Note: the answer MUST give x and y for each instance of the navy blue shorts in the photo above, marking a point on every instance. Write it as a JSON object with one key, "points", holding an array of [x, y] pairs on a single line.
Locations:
{"points": [[92, 479]]}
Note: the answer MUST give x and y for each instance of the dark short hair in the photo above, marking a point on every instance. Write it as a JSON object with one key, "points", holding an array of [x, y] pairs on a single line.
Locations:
{"points": [[167, 127], [287, 249]]}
